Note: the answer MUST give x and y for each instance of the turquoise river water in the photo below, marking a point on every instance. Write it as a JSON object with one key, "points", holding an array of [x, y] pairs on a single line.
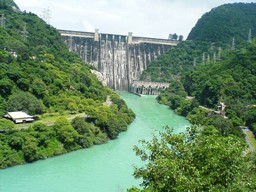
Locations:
{"points": [[103, 168]]}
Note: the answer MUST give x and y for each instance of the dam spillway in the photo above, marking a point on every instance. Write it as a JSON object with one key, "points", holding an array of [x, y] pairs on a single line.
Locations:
{"points": [[120, 59]]}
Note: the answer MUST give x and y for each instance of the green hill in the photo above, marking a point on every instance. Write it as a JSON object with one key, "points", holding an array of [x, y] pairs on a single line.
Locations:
{"points": [[212, 84], [207, 41], [207, 68], [40, 76], [226, 22], [230, 81], [181, 58], [9, 4]]}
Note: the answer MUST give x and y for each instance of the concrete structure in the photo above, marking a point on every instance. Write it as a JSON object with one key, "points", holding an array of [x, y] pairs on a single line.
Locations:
{"points": [[19, 117], [147, 88], [120, 59]]}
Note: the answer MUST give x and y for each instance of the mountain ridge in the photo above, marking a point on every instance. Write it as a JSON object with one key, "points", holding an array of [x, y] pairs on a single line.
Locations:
{"points": [[226, 22]]}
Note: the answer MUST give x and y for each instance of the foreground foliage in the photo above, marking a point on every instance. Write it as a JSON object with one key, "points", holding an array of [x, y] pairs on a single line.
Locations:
{"points": [[197, 160]]}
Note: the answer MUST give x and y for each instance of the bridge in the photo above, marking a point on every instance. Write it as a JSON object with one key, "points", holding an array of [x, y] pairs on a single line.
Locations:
{"points": [[147, 88], [120, 59]]}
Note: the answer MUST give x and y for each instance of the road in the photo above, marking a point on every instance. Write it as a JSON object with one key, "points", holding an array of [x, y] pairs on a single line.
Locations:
{"points": [[245, 131]]}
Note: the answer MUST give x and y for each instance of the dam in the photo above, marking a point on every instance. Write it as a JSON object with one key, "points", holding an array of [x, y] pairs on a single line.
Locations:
{"points": [[120, 59]]}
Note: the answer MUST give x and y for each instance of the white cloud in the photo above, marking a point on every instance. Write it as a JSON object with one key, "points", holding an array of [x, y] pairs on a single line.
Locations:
{"points": [[143, 18]]}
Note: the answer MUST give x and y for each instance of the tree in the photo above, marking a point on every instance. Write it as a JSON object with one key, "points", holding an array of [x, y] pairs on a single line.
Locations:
{"points": [[2, 106], [181, 37], [6, 86], [175, 36], [72, 107], [66, 133], [197, 160], [27, 102], [6, 124], [23, 84], [30, 149], [39, 88], [85, 130], [250, 119]]}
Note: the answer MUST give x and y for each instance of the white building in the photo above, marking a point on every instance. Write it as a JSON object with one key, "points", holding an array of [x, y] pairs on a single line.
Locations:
{"points": [[19, 117]]}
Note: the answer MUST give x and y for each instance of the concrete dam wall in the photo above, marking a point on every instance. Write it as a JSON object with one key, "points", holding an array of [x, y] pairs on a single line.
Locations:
{"points": [[120, 59]]}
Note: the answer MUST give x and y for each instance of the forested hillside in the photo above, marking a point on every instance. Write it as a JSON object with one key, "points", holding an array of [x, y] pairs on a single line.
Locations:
{"points": [[212, 83], [231, 81], [183, 57], [212, 35], [39, 75], [226, 22], [210, 70], [172, 64]]}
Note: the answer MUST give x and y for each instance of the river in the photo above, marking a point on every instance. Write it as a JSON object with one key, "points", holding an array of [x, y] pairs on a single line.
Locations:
{"points": [[103, 168]]}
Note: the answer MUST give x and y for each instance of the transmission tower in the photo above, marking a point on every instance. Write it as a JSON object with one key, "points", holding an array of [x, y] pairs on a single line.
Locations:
{"points": [[2, 21], [24, 32], [219, 53], [208, 59], [233, 44], [46, 15], [194, 62], [214, 57], [70, 43], [203, 58], [250, 35]]}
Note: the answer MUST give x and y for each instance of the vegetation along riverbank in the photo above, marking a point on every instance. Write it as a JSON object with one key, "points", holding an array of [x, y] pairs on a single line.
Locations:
{"points": [[212, 83], [39, 75]]}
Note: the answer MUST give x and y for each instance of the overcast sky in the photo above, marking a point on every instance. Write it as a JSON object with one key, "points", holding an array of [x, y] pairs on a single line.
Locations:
{"points": [[149, 18]]}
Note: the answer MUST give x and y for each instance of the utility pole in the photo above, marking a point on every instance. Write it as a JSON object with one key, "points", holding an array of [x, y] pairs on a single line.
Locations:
{"points": [[2, 21]]}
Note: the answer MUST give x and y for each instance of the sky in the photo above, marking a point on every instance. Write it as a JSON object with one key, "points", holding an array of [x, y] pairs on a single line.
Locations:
{"points": [[146, 18]]}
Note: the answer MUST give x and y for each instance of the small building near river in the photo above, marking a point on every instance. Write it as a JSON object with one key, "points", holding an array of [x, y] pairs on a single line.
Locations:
{"points": [[19, 117]]}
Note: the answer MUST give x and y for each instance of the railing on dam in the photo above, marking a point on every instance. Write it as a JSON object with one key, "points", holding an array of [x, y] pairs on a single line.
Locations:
{"points": [[147, 87], [76, 33], [129, 38], [153, 40]]}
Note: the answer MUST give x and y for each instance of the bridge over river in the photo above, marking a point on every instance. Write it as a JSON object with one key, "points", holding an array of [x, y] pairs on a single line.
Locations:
{"points": [[147, 88], [120, 59]]}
